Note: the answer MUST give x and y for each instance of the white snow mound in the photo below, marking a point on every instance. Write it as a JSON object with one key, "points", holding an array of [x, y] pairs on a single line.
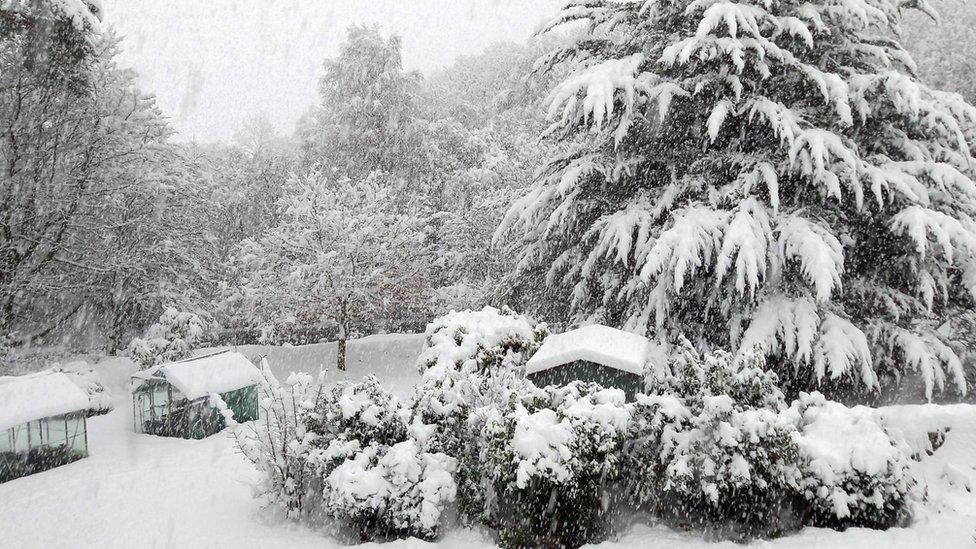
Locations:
{"points": [[596, 343], [36, 396]]}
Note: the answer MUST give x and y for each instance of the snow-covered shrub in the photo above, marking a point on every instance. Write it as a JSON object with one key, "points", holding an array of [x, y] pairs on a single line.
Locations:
{"points": [[375, 474], [388, 491], [478, 341], [85, 377], [713, 442], [171, 338], [279, 444], [550, 459], [471, 359], [854, 473], [364, 412]]}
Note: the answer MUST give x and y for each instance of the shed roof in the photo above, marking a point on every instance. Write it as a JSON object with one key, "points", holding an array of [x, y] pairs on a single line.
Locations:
{"points": [[596, 343], [35, 396], [199, 376]]}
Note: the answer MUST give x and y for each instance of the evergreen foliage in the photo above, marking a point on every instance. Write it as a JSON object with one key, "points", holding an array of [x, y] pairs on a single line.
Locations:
{"points": [[746, 172]]}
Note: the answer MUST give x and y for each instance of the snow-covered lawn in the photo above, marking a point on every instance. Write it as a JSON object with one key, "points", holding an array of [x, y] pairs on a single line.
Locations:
{"points": [[145, 491]]}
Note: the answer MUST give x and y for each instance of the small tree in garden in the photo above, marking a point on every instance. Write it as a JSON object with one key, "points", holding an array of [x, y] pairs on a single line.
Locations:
{"points": [[171, 338], [758, 172], [340, 255]]}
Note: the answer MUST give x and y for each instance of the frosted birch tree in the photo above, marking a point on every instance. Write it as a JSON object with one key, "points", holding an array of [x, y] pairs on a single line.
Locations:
{"points": [[758, 172]]}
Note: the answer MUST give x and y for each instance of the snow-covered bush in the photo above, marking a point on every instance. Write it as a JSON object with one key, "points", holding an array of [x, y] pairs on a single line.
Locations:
{"points": [[471, 359], [854, 473], [549, 460], [171, 338], [279, 444], [363, 412], [376, 475], [85, 377], [388, 491], [478, 341], [712, 442]]}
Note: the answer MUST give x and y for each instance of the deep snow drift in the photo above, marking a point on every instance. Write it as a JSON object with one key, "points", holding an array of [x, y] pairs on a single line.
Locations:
{"points": [[146, 491]]}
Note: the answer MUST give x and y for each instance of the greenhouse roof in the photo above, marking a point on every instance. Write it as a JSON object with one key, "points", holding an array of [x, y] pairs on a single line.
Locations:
{"points": [[35, 396], [214, 373], [596, 343]]}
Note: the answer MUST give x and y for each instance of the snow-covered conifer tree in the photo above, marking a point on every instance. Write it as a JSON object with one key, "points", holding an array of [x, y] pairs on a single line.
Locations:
{"points": [[758, 172]]}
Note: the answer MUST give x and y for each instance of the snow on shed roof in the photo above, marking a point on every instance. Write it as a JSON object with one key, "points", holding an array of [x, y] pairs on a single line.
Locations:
{"points": [[596, 343], [214, 373], [35, 396]]}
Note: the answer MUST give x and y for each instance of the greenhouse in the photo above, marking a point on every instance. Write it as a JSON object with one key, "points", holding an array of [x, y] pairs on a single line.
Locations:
{"points": [[597, 354], [174, 399], [42, 423]]}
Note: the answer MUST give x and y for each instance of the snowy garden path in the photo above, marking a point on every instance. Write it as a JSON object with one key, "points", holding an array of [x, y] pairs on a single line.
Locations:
{"points": [[145, 491]]}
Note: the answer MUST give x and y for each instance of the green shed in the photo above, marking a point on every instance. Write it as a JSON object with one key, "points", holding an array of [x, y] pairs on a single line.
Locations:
{"points": [[596, 353], [174, 399], [42, 423]]}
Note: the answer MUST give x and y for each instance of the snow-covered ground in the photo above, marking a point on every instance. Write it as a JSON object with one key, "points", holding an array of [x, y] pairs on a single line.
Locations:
{"points": [[145, 491]]}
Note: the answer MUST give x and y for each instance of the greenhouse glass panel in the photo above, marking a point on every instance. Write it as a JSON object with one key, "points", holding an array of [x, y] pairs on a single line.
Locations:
{"points": [[19, 434], [76, 432], [34, 433], [7, 440], [160, 400], [57, 430]]}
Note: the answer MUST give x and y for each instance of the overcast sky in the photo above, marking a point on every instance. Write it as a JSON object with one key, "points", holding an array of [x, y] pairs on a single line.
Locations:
{"points": [[213, 64]]}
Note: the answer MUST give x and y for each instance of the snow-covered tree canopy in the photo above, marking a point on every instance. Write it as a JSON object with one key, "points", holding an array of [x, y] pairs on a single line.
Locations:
{"points": [[367, 106], [758, 172], [340, 255]]}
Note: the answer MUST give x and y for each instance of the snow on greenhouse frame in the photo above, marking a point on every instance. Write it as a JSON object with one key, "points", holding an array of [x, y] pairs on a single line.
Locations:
{"points": [[173, 399], [595, 353], [42, 424]]}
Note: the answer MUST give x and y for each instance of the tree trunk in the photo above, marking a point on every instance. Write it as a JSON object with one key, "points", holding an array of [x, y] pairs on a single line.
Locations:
{"points": [[343, 333]]}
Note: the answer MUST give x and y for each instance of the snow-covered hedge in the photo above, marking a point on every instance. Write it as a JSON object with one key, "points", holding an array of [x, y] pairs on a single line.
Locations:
{"points": [[346, 454], [471, 358], [854, 473], [711, 443], [549, 461], [171, 338], [362, 411], [714, 441]]}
